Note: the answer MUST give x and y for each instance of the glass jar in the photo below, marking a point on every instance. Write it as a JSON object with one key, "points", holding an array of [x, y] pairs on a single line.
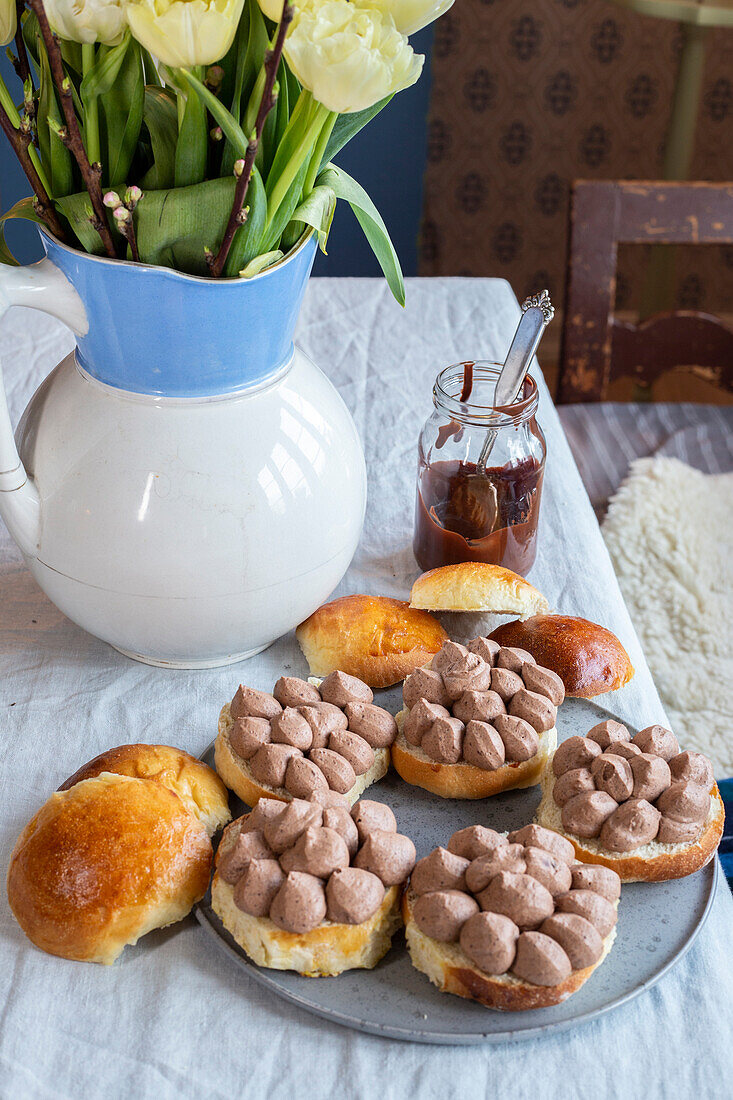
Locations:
{"points": [[467, 513]]}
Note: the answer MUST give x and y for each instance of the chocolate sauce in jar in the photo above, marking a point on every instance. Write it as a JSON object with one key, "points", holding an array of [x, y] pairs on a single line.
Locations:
{"points": [[462, 515]]}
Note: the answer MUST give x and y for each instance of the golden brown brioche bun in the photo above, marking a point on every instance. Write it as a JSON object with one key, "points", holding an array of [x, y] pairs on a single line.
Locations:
{"points": [[652, 862], [378, 639], [237, 773], [323, 952], [475, 586], [199, 787], [105, 862], [589, 659], [451, 970], [466, 780]]}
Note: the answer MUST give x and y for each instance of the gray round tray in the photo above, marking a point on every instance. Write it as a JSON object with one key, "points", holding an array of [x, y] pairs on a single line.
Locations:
{"points": [[657, 924]]}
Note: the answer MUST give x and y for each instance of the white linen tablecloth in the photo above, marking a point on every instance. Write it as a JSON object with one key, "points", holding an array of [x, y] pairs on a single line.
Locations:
{"points": [[173, 1018]]}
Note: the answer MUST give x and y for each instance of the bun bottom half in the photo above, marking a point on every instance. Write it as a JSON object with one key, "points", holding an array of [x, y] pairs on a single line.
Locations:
{"points": [[653, 862], [466, 780], [236, 773], [324, 952], [450, 969]]}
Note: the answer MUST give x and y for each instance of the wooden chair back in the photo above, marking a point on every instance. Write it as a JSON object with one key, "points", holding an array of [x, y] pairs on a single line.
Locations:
{"points": [[597, 348]]}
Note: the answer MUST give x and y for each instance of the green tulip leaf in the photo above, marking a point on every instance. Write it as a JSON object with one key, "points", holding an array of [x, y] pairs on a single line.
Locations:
{"points": [[254, 267], [161, 119], [285, 210], [231, 128], [317, 211], [248, 243], [78, 211], [55, 156], [102, 76], [22, 209], [193, 143], [371, 223], [122, 108]]}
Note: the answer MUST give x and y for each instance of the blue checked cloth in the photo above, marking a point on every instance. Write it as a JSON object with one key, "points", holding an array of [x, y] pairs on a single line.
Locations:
{"points": [[726, 847]]}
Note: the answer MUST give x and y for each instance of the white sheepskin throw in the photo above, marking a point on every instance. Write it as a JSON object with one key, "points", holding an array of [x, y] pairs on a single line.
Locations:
{"points": [[669, 530]]}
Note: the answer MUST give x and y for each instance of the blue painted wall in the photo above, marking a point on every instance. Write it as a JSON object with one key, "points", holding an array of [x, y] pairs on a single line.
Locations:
{"points": [[388, 159]]}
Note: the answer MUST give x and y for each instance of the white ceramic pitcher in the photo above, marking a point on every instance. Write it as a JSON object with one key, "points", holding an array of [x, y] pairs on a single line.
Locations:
{"points": [[186, 485]]}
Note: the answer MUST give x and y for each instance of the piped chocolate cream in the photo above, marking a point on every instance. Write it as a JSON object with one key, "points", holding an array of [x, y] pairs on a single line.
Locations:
{"points": [[628, 792], [308, 740], [518, 904], [300, 863], [483, 705]]}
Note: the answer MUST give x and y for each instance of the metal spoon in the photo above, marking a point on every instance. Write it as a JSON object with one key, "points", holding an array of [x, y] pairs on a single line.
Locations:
{"points": [[537, 312]]}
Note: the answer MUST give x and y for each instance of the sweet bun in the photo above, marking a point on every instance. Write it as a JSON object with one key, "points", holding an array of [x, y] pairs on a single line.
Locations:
{"points": [[199, 787], [476, 586], [237, 772], [450, 969], [652, 862], [105, 862], [466, 780], [378, 639], [308, 936], [508, 920], [588, 658]]}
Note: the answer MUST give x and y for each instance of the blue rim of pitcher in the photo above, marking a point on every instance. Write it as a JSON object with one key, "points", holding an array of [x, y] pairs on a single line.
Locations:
{"points": [[302, 241]]}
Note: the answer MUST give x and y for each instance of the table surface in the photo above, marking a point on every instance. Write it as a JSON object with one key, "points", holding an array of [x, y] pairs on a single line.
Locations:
{"points": [[173, 1018]]}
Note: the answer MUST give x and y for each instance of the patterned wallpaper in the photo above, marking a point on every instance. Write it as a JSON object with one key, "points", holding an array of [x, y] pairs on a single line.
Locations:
{"points": [[530, 95]]}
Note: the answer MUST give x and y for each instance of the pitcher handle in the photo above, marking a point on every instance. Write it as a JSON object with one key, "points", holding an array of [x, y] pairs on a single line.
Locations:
{"points": [[41, 286]]}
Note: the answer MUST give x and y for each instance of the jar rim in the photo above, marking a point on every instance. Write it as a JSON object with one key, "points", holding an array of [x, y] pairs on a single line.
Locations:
{"points": [[449, 384]]}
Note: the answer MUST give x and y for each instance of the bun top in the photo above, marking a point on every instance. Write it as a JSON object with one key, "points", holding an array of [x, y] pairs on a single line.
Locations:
{"points": [[517, 904], [631, 791], [105, 862], [480, 704], [307, 740], [476, 586], [300, 863], [199, 787], [376, 638], [589, 659]]}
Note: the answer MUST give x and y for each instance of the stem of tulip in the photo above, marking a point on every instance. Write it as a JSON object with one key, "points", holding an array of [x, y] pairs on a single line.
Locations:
{"points": [[91, 174], [272, 64], [315, 164], [91, 106], [304, 148]]}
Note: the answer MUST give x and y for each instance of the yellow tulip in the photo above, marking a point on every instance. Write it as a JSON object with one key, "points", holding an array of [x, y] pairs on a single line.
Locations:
{"points": [[8, 21], [87, 20], [183, 33], [410, 15], [348, 56], [273, 9]]}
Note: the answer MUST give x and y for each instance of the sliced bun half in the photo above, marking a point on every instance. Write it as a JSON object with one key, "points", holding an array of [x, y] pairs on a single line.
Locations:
{"points": [[237, 774], [652, 862], [323, 952], [451, 970], [475, 586], [466, 780]]}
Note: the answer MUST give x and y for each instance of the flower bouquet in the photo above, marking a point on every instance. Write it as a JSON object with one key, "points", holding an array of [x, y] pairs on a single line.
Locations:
{"points": [[200, 134]]}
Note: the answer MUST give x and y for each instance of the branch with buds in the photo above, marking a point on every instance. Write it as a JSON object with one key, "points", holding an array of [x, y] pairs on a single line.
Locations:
{"points": [[71, 134], [122, 211], [20, 140], [243, 167]]}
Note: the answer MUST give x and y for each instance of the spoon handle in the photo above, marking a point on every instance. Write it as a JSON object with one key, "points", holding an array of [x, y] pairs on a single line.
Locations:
{"points": [[537, 312]]}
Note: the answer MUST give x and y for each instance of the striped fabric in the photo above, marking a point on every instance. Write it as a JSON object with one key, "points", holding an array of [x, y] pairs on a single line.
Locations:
{"points": [[605, 438]]}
